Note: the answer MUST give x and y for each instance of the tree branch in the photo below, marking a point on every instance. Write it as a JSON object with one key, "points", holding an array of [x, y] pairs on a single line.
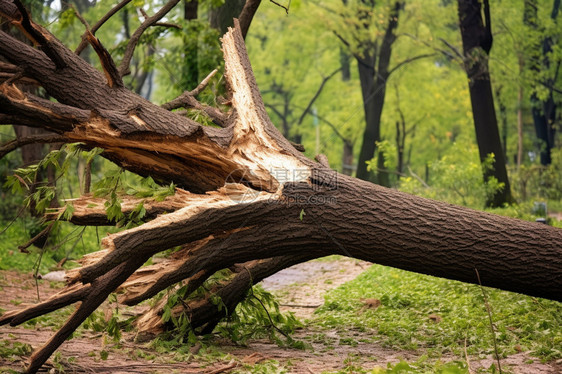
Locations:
{"points": [[188, 100], [107, 63], [98, 24], [17, 143], [247, 14], [408, 60], [124, 68], [317, 94]]}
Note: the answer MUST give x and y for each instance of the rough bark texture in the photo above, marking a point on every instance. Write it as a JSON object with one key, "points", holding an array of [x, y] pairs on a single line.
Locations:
{"points": [[248, 189]]}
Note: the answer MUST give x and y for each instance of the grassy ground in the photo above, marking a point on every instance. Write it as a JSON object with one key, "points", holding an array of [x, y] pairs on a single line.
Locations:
{"points": [[437, 321], [442, 317]]}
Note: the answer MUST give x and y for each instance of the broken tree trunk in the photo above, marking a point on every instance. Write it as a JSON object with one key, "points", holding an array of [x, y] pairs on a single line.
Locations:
{"points": [[252, 196]]}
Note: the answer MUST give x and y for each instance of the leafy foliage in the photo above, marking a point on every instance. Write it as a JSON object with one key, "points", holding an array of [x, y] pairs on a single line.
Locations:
{"points": [[455, 178]]}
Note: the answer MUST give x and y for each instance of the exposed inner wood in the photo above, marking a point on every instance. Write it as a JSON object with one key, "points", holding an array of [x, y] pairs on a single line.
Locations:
{"points": [[244, 189]]}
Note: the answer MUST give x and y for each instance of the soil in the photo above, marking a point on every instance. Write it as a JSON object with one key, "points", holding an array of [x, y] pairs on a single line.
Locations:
{"points": [[300, 289]]}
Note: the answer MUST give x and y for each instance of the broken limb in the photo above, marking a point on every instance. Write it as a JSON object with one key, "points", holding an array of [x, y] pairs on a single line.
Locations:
{"points": [[282, 205]]}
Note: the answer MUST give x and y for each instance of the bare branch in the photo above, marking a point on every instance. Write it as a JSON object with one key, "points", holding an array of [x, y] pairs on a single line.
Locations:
{"points": [[107, 63], [188, 100], [98, 24], [109, 68], [39, 237], [17, 143], [408, 60], [317, 94], [124, 68], [332, 126], [453, 48], [168, 25], [282, 6], [204, 83]]}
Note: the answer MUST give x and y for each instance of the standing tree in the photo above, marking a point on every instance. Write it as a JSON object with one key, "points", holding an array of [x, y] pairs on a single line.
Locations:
{"points": [[544, 110], [373, 61], [477, 43], [285, 208]]}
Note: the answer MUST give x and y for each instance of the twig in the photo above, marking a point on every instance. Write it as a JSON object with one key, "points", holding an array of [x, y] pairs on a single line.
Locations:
{"points": [[408, 60], [80, 18], [269, 316], [317, 94], [109, 68], [107, 63], [204, 83], [417, 177], [188, 100], [282, 6], [13, 220], [168, 25], [491, 321]]}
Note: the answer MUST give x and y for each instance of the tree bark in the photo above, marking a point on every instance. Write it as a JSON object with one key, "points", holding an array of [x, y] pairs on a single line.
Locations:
{"points": [[477, 42], [252, 196]]}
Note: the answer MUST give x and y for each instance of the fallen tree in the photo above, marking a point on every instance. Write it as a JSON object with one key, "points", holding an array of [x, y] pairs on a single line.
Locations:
{"points": [[247, 199]]}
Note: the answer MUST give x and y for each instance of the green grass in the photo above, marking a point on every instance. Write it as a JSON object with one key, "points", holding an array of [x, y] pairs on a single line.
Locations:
{"points": [[69, 242], [402, 322]]}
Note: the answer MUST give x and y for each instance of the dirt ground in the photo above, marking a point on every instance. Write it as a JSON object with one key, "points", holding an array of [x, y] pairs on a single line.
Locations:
{"points": [[300, 289]]}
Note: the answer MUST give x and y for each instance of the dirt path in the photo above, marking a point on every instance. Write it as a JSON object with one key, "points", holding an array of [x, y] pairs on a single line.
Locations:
{"points": [[300, 288]]}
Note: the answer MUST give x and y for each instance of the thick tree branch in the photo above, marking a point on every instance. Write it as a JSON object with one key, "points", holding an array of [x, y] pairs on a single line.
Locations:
{"points": [[247, 14], [90, 211]]}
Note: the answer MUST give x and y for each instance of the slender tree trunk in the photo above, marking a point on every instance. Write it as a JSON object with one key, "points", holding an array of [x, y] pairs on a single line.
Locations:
{"points": [[347, 158], [477, 42], [520, 117], [373, 86], [544, 112]]}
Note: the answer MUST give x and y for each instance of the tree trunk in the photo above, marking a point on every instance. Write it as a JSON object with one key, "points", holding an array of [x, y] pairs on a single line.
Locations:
{"points": [[347, 158], [477, 42], [544, 111], [221, 17], [285, 208], [373, 86]]}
